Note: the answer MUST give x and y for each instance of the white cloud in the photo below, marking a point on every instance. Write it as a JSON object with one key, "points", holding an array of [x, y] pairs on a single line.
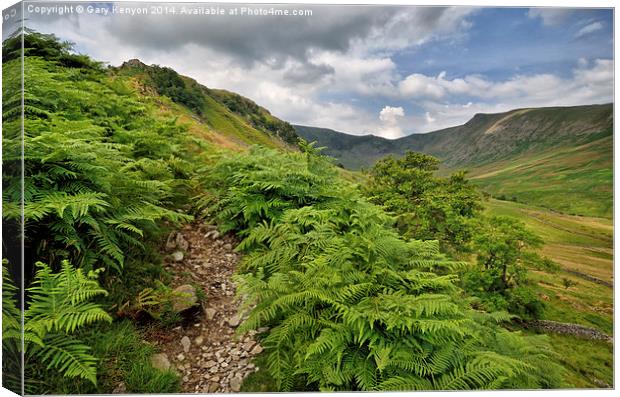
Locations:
{"points": [[429, 119], [590, 28], [537, 87], [591, 82], [550, 15], [390, 118], [391, 114]]}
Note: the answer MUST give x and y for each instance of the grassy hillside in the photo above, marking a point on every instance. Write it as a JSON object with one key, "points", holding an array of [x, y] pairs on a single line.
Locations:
{"points": [[572, 180], [237, 121], [486, 138], [558, 158], [583, 247], [351, 151]]}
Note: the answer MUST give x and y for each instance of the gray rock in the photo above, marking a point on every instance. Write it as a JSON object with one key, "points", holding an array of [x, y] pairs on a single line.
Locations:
{"points": [[210, 313], [181, 243], [210, 364], [258, 349], [234, 320], [121, 388], [212, 234], [181, 357], [171, 242], [186, 343], [183, 297], [213, 387], [249, 345], [199, 340], [235, 384], [228, 247], [177, 256], [160, 361]]}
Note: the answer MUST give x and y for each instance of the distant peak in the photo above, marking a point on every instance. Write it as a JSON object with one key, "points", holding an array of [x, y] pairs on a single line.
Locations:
{"points": [[134, 63]]}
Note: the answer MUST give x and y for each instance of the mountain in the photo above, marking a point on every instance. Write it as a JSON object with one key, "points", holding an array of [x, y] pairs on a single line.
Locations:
{"points": [[222, 117], [484, 139], [557, 157]]}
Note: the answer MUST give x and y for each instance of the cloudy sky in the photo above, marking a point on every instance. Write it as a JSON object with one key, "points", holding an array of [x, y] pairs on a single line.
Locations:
{"points": [[389, 71]]}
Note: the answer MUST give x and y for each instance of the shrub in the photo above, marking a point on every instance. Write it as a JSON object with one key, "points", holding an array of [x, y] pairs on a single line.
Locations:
{"points": [[351, 305]]}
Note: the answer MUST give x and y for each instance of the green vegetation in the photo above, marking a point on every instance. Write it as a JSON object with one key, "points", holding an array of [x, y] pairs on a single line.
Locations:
{"points": [[504, 248], [59, 305], [256, 116], [227, 113], [362, 280], [574, 180], [104, 179], [583, 245], [169, 83], [353, 306], [426, 207]]}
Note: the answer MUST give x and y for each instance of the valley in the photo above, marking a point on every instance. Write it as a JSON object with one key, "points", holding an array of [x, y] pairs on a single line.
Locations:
{"points": [[295, 274]]}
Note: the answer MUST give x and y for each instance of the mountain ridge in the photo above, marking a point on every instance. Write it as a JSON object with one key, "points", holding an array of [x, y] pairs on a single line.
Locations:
{"points": [[485, 138]]}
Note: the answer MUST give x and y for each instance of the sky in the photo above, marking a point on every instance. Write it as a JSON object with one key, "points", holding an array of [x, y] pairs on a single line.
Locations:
{"points": [[390, 71]]}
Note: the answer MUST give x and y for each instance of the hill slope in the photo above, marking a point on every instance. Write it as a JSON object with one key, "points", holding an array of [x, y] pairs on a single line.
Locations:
{"points": [[225, 118], [483, 139], [560, 158]]}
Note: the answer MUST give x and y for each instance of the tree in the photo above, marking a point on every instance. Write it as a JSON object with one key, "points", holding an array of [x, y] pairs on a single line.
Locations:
{"points": [[505, 249], [425, 206]]}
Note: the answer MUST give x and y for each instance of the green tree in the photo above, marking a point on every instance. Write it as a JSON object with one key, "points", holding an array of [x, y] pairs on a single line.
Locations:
{"points": [[505, 249], [425, 206]]}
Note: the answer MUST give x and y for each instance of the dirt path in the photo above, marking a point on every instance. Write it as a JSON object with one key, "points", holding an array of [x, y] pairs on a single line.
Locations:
{"points": [[206, 352]]}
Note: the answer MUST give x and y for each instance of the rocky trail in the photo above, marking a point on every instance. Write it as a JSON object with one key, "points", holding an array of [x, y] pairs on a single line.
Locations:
{"points": [[205, 350]]}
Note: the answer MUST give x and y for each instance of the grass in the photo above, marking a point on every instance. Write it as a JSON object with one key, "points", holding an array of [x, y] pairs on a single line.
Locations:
{"points": [[126, 358], [573, 180], [260, 381], [588, 363], [585, 245]]}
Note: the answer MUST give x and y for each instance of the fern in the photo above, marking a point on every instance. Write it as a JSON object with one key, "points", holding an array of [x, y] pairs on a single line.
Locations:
{"points": [[60, 304], [351, 305]]}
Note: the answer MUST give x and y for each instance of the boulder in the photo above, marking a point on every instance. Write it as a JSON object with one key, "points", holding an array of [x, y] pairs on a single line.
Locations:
{"points": [[177, 256], [183, 298], [186, 343], [160, 361]]}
